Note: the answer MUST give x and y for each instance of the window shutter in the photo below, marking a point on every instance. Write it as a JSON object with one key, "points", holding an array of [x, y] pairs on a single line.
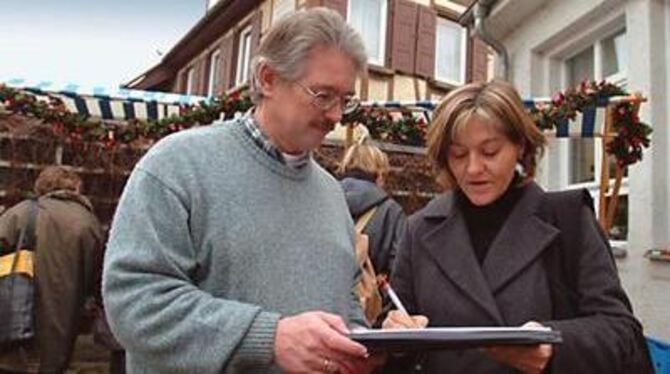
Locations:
{"points": [[480, 52], [339, 5], [203, 79], [425, 45], [403, 35], [227, 63], [181, 81], [256, 26], [195, 65]]}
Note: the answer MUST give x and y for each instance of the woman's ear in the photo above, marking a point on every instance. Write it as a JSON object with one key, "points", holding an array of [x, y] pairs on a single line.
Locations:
{"points": [[521, 152]]}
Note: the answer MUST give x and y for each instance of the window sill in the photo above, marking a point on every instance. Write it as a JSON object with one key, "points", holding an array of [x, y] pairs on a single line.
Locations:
{"points": [[594, 186], [380, 70], [447, 86]]}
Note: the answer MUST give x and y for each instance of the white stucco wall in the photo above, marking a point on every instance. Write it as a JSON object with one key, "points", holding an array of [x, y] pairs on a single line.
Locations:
{"points": [[538, 44]]}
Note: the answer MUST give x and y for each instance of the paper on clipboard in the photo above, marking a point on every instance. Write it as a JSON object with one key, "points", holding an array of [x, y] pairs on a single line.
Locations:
{"points": [[440, 338]]}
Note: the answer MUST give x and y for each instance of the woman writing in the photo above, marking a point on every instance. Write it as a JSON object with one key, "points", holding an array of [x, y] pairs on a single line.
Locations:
{"points": [[496, 250]]}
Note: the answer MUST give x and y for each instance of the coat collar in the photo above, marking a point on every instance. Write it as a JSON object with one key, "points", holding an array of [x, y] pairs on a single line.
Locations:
{"points": [[520, 241], [69, 196]]}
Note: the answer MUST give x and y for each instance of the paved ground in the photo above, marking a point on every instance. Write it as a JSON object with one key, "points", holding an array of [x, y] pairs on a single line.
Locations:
{"points": [[89, 358], [648, 286]]}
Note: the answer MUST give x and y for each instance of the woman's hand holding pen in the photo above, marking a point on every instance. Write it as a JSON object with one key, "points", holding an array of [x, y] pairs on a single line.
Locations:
{"points": [[399, 320]]}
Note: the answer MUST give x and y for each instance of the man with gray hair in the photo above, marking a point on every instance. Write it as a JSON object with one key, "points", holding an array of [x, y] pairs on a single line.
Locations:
{"points": [[231, 249]]}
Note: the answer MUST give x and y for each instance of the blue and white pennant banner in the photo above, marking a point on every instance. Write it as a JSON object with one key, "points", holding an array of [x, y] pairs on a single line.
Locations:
{"points": [[109, 103]]}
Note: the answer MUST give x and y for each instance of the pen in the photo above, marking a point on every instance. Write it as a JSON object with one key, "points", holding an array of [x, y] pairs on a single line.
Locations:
{"points": [[393, 296]]}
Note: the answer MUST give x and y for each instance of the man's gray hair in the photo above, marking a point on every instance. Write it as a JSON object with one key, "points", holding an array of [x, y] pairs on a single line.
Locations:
{"points": [[285, 47]]}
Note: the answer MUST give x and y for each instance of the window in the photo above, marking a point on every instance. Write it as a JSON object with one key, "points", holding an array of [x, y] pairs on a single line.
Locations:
{"points": [[190, 81], [282, 8], [243, 57], [450, 46], [214, 73], [615, 57], [605, 59], [368, 17]]}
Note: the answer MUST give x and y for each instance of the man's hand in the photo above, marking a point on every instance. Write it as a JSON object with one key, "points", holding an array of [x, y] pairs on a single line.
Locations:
{"points": [[399, 320], [316, 342], [529, 359]]}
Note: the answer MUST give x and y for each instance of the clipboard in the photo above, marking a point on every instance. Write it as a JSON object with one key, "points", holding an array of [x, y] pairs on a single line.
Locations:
{"points": [[446, 338]]}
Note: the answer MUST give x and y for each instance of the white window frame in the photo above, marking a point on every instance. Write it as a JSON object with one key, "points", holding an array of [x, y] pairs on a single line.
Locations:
{"points": [[619, 78], [190, 81], [382, 32], [243, 56], [464, 54], [214, 72]]}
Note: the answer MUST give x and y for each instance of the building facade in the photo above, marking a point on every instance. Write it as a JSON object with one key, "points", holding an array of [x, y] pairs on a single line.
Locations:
{"points": [[417, 49]]}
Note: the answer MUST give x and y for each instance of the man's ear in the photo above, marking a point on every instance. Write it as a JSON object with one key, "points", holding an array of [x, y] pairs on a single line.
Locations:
{"points": [[267, 80]]}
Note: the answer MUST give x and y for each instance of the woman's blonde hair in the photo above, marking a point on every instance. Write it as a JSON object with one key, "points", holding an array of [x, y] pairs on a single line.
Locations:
{"points": [[54, 178], [367, 158], [496, 103]]}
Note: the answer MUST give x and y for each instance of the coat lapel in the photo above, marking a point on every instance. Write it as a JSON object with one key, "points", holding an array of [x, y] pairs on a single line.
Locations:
{"points": [[520, 241], [448, 243]]}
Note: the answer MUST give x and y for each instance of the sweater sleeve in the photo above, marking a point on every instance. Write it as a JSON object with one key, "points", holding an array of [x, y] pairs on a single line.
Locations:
{"points": [[154, 308], [605, 337]]}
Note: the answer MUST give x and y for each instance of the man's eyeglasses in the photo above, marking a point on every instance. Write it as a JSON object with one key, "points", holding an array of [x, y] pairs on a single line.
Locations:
{"points": [[326, 101]]}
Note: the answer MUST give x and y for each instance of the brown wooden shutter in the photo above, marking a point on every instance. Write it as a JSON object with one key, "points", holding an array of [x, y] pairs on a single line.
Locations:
{"points": [[203, 80], [181, 81], [338, 5], [479, 62], [227, 63], [403, 35], [256, 29], [195, 84], [425, 45]]}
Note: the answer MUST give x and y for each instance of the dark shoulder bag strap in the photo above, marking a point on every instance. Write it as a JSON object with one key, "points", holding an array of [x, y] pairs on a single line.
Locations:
{"points": [[27, 238]]}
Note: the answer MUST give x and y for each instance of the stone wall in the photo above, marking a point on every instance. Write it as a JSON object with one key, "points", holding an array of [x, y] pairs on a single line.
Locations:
{"points": [[26, 148]]}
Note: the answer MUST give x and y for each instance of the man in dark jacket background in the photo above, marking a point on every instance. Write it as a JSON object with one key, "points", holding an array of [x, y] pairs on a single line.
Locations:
{"points": [[363, 170], [67, 262]]}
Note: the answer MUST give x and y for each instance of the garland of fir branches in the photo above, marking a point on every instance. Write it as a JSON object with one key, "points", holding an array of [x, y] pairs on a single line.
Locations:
{"points": [[400, 128], [632, 135]]}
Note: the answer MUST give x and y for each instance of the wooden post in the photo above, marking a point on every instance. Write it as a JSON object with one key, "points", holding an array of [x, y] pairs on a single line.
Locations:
{"points": [[604, 173], [614, 199]]}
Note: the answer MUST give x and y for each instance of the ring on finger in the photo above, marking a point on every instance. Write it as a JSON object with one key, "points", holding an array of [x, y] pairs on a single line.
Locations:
{"points": [[328, 366]]}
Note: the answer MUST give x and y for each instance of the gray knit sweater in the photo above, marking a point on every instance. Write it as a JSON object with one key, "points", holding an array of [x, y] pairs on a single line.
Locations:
{"points": [[212, 241]]}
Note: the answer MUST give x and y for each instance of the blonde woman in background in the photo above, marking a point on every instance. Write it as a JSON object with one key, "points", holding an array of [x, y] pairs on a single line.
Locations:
{"points": [[363, 171]]}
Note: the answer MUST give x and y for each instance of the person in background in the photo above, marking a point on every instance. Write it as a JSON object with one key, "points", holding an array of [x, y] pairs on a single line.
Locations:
{"points": [[497, 250], [363, 171], [67, 263]]}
